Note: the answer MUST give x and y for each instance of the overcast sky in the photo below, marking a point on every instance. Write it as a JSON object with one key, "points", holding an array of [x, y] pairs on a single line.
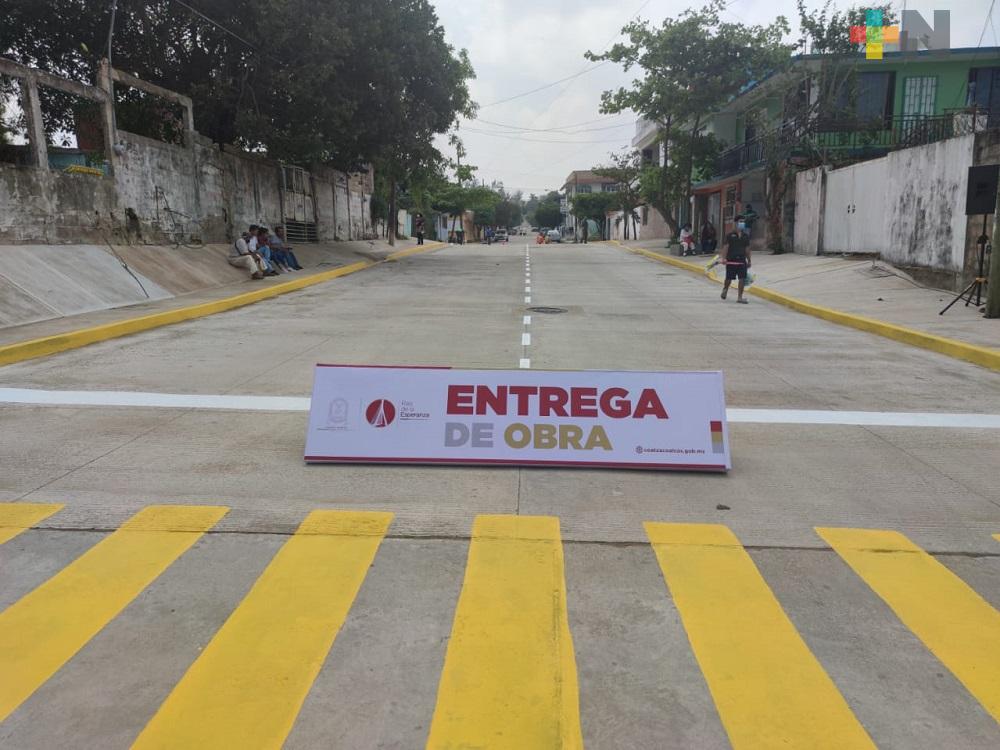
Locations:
{"points": [[520, 45]]}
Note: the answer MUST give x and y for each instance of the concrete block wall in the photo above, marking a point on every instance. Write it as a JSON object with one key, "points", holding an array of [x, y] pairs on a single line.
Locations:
{"points": [[53, 207], [907, 207]]}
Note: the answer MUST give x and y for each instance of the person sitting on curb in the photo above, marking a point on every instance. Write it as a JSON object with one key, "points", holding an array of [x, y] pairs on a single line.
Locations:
{"points": [[241, 257], [273, 269], [687, 240], [280, 251]]}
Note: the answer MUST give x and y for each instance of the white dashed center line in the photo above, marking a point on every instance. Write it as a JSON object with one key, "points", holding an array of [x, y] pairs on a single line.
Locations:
{"points": [[525, 363]]}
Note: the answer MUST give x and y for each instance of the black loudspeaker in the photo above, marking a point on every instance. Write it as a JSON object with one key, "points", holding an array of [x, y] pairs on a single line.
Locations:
{"points": [[982, 195]]}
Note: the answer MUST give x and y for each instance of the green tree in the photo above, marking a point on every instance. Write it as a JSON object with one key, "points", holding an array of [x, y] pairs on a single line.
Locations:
{"points": [[336, 82], [810, 96], [626, 170], [548, 213], [690, 66], [483, 201], [595, 207]]}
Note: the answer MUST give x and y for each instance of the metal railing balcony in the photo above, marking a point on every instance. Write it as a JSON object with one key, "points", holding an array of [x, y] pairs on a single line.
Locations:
{"points": [[850, 138]]}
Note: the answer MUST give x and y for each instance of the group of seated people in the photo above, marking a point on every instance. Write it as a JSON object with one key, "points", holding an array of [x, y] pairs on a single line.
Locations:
{"points": [[263, 252]]}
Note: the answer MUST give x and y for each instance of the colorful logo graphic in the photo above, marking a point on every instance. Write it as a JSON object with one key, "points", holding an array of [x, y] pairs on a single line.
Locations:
{"points": [[718, 442], [874, 35], [380, 413]]}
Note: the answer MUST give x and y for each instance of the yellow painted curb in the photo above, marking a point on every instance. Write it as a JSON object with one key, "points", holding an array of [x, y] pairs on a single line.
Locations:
{"points": [[61, 342], [979, 355]]}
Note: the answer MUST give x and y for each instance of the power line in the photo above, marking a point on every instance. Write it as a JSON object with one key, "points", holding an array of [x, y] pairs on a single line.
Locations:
{"points": [[554, 131], [232, 33], [567, 78], [515, 137], [554, 127], [546, 86]]}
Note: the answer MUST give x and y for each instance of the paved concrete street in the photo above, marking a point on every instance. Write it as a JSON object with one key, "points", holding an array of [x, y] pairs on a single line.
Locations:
{"points": [[643, 610]]}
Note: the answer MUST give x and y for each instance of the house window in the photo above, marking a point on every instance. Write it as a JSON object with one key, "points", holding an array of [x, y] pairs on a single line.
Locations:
{"points": [[875, 94], [610, 187], [984, 88], [869, 97], [583, 188], [919, 96]]}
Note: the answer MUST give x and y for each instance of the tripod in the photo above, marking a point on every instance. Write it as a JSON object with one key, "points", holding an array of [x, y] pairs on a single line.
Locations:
{"points": [[979, 283]]}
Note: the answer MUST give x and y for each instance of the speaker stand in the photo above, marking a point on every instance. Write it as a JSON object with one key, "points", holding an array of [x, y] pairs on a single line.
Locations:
{"points": [[979, 283]]}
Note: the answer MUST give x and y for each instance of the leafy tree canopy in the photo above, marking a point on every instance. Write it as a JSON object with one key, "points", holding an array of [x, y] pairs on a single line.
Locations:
{"points": [[334, 81], [688, 67]]}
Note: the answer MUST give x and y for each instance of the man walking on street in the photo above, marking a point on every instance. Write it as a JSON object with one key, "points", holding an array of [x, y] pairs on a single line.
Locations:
{"points": [[736, 258]]}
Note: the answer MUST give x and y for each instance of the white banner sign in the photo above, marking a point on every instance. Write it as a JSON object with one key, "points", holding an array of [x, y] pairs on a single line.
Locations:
{"points": [[641, 420]]}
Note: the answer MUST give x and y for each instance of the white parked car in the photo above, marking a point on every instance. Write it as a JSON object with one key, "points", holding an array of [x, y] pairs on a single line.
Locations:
{"points": [[553, 235]]}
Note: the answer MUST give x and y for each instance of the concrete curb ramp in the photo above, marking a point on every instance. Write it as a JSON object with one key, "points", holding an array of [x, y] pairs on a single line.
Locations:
{"points": [[34, 348], [979, 355]]}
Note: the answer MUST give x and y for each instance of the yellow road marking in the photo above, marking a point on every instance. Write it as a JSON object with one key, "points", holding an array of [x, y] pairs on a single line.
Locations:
{"points": [[18, 517], [44, 629], [958, 626], [509, 678], [60, 342], [249, 683], [769, 689], [980, 355]]}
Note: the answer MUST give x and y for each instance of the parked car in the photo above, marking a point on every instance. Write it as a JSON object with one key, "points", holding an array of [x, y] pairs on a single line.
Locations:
{"points": [[553, 235], [500, 236]]}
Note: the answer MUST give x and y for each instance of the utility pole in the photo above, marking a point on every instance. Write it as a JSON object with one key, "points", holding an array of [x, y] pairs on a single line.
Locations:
{"points": [[993, 283]]}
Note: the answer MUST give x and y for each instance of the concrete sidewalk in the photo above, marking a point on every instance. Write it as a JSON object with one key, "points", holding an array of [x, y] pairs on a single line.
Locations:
{"points": [[866, 288], [201, 275]]}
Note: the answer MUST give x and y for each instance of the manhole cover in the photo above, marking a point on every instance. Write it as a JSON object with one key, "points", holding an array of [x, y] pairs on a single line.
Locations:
{"points": [[548, 310]]}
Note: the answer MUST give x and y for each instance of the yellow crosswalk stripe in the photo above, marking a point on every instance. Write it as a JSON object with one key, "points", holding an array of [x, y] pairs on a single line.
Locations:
{"points": [[958, 626], [18, 517], [769, 689], [249, 683], [509, 678], [42, 630]]}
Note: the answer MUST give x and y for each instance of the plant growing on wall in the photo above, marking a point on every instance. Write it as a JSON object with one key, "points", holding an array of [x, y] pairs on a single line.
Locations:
{"points": [[811, 94]]}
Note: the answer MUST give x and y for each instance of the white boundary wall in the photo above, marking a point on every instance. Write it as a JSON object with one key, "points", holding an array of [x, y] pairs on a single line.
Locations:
{"points": [[909, 207]]}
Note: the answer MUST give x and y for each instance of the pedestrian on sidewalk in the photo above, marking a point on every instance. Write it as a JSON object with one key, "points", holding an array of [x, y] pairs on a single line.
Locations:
{"points": [[709, 238], [420, 229], [736, 258], [241, 257]]}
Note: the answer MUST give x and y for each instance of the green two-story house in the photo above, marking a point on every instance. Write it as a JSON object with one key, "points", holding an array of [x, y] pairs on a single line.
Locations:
{"points": [[905, 99]]}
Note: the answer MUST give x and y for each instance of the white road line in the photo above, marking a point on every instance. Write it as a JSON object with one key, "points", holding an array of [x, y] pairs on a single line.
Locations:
{"points": [[864, 418], [525, 363], [527, 290], [155, 400], [525, 339], [527, 300], [294, 403], [527, 320]]}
